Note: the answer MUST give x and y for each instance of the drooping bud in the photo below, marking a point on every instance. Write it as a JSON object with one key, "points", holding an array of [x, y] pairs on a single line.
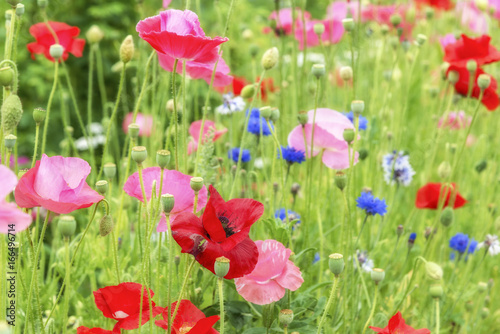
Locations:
{"points": [[318, 70], [109, 170], [346, 73], [102, 187], [56, 51], [139, 154], [66, 225], [434, 271], [162, 158], [106, 225], [444, 170], [94, 34], [447, 216], [221, 266], [6, 76], [127, 49], [12, 111], [340, 180], [167, 203], [275, 114], [336, 263], [248, 91], [348, 135], [378, 275], [285, 317], [270, 58], [196, 183]]}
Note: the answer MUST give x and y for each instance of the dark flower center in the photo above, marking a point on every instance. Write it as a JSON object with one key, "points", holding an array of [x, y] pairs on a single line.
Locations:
{"points": [[226, 226]]}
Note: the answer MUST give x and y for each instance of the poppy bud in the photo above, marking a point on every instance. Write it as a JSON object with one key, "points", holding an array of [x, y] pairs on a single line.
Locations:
{"points": [[436, 291], [336, 263], [434, 271], [363, 154], [453, 77], [340, 180], [66, 225], [139, 154], [196, 183], [348, 135], [167, 203], [266, 112], [318, 70], [346, 73], [254, 50], [270, 58], [303, 118], [275, 114], [94, 34], [357, 107], [444, 170], [109, 170], [319, 29], [482, 286], [10, 141], [19, 9], [447, 216], [56, 51], [248, 91], [378, 275], [481, 166], [421, 39], [395, 20], [127, 49], [162, 158], [102, 187], [12, 111], [483, 81], [399, 230], [471, 66], [106, 225], [6, 76], [285, 317], [221, 266], [348, 24]]}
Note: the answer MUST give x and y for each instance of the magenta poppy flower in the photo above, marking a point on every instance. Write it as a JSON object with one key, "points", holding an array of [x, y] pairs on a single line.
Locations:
{"points": [[328, 138], [273, 274], [145, 123], [455, 121], [334, 29], [194, 131], [199, 70], [57, 184], [174, 183], [9, 213], [95, 330], [472, 17], [178, 34], [284, 20]]}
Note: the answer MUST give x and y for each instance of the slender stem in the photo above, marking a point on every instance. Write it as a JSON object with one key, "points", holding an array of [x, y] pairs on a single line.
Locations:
{"points": [[100, 80], [221, 301], [169, 275], [184, 115], [37, 134], [49, 104], [372, 311], [90, 84], [144, 85], [329, 303], [67, 290], [184, 283], [437, 316], [115, 255], [196, 193]]}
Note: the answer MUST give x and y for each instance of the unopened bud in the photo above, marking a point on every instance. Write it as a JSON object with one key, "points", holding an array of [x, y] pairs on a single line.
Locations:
{"points": [[481, 166], [56, 51], [434, 271], [94, 34], [399, 230], [127, 49], [275, 114], [270, 58], [6, 76], [421, 39], [444, 170], [447, 216], [266, 112], [12, 111], [248, 91], [106, 225]]}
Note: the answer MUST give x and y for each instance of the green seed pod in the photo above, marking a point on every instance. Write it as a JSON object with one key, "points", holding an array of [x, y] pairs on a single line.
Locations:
{"points": [[127, 49], [336, 263], [303, 117], [10, 141], [67, 225], [485, 312], [357, 107], [106, 225], [447, 216], [56, 51], [19, 9], [471, 66], [248, 91], [436, 291], [196, 183], [483, 81], [254, 50], [348, 135], [162, 158], [482, 286], [139, 154], [363, 153], [221, 266], [395, 20], [348, 24], [6, 76], [133, 130], [39, 115], [378, 275], [12, 111], [346, 73], [266, 112], [444, 170], [94, 34], [318, 70], [102, 187], [167, 203], [285, 317], [270, 58], [453, 77], [421, 39], [109, 170], [340, 180], [319, 29]]}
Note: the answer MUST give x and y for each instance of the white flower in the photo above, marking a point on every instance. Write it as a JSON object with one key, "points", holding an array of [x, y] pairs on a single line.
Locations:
{"points": [[492, 244], [81, 144], [231, 104]]}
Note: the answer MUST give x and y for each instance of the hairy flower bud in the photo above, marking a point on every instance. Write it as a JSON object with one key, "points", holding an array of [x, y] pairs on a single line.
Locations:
{"points": [[12, 111], [94, 34], [127, 49], [270, 58], [106, 225]]}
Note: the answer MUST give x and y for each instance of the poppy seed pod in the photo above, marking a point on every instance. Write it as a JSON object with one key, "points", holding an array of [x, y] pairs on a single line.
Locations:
{"points": [[346, 73], [436, 291], [133, 130], [139, 154], [162, 158], [102, 187], [56, 51], [127, 49], [94, 34], [109, 170], [444, 170], [421, 39], [453, 77], [19, 9], [270, 58], [348, 24], [39, 115], [266, 112], [66, 225], [42, 3], [377, 275], [340, 180], [357, 107], [285, 317], [336, 263], [10, 141], [348, 135], [106, 225], [319, 29], [167, 203], [196, 183], [318, 70], [221, 266], [483, 81], [395, 20], [12, 111], [482, 286]]}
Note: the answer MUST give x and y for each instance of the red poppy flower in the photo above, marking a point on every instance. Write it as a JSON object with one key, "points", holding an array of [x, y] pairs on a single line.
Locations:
{"points": [[122, 303], [222, 231], [465, 49], [66, 35], [189, 320], [438, 4], [397, 326], [490, 97], [428, 196], [95, 330]]}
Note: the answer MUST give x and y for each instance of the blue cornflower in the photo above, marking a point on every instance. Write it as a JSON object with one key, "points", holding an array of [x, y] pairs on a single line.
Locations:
{"points": [[371, 204], [472, 246], [292, 155], [412, 237], [234, 154], [397, 168], [292, 215], [256, 121], [316, 258], [459, 242], [363, 122]]}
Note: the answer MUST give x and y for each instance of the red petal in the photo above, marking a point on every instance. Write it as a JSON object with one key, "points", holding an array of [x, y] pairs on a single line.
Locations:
{"points": [[205, 326], [428, 196], [95, 330]]}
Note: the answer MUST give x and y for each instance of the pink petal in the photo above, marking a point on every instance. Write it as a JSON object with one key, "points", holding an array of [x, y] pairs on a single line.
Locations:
{"points": [[258, 293], [322, 139], [273, 257], [8, 183], [331, 120], [10, 214], [291, 278], [338, 159]]}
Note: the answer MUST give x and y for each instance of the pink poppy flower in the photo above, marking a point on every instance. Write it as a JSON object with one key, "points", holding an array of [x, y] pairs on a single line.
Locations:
{"points": [[334, 30], [21, 161], [471, 17], [197, 70], [145, 123], [194, 131], [9, 213], [273, 274], [328, 138], [174, 183], [284, 20], [455, 121], [178, 34], [57, 184]]}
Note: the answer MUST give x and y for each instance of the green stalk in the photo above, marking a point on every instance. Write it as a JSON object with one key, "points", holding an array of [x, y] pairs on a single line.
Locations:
{"points": [[67, 290], [329, 303], [372, 311], [90, 84], [49, 104], [221, 301], [184, 283], [437, 316]]}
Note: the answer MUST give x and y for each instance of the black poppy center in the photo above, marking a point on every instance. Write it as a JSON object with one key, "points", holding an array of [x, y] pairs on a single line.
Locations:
{"points": [[226, 226]]}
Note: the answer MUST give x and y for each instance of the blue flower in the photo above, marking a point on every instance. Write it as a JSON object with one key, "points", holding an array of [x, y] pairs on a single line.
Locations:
{"points": [[472, 246], [230, 104], [397, 168], [363, 122], [412, 237], [292, 215], [459, 242], [291, 155], [234, 154], [371, 204], [316, 258], [256, 121]]}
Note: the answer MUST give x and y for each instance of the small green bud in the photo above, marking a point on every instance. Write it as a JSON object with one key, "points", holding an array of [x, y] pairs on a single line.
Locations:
{"points": [[10, 141], [221, 266], [363, 153], [485, 312], [133, 130], [453, 77], [434, 271], [471, 66], [444, 170], [285, 317], [42, 3], [39, 115], [167, 203], [447, 216], [303, 117], [12, 111], [348, 135], [348, 24], [319, 29], [19, 9], [340, 180], [162, 158], [106, 225], [266, 112], [94, 34], [248, 91], [102, 187], [336, 263], [275, 114], [318, 70], [395, 19], [109, 170], [270, 58], [481, 166], [357, 107], [67, 225], [346, 73], [378, 275], [196, 183], [127, 49], [56, 51], [139, 154], [436, 291], [6, 76]]}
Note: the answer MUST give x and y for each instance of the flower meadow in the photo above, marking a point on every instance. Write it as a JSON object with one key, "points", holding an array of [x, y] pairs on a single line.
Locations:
{"points": [[250, 166]]}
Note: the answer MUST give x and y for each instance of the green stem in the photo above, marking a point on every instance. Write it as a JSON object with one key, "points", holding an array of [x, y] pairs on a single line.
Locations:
{"points": [[184, 283], [49, 104], [169, 275], [221, 301], [329, 303], [37, 134], [372, 311], [100, 80], [90, 84], [115, 255], [437, 316], [67, 289]]}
